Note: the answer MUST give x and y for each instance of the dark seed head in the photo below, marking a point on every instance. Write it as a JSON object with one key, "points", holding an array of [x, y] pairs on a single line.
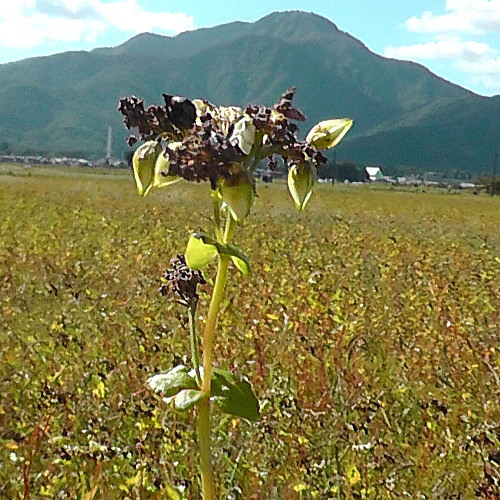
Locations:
{"points": [[182, 281], [181, 111]]}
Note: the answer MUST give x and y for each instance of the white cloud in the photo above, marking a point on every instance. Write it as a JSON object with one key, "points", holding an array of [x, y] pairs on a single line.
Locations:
{"points": [[486, 73], [442, 49], [465, 16], [471, 19], [477, 59], [127, 15], [29, 23]]}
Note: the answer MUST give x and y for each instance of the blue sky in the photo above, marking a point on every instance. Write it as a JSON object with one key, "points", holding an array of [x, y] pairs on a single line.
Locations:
{"points": [[456, 39]]}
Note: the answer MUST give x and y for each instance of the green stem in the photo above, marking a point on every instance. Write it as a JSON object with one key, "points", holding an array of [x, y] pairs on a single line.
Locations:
{"points": [[217, 222], [229, 229], [213, 312], [207, 476], [207, 473], [195, 358]]}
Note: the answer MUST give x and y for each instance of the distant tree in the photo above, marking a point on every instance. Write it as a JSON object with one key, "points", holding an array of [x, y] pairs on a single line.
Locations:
{"points": [[5, 148], [328, 171], [344, 170], [493, 184], [347, 170]]}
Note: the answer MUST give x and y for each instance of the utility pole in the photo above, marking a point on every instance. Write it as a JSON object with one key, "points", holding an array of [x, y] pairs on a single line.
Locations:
{"points": [[108, 147]]}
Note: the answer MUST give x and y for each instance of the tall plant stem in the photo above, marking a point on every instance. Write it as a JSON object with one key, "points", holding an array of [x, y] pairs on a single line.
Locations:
{"points": [[204, 441], [194, 341], [213, 312]]}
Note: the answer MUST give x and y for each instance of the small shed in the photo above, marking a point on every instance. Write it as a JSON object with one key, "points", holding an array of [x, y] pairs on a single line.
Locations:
{"points": [[373, 174]]}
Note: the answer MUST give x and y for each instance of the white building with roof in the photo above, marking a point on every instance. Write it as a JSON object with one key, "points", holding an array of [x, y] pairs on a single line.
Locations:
{"points": [[373, 173]]}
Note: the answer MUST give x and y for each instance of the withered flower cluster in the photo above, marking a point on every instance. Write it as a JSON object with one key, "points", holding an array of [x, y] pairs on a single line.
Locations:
{"points": [[202, 142], [282, 133], [182, 281], [178, 114]]}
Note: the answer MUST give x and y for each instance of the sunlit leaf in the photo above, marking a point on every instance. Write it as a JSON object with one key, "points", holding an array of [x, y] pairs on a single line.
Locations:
{"points": [[241, 264], [188, 398], [327, 134], [198, 253], [300, 183], [143, 163], [244, 134], [172, 382], [239, 198], [161, 166], [353, 475], [238, 257]]}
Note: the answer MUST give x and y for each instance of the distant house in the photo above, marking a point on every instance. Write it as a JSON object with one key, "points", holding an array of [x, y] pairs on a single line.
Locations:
{"points": [[373, 174]]}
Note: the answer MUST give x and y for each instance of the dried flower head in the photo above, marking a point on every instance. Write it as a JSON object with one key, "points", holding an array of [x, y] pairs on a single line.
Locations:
{"points": [[182, 281], [198, 141]]}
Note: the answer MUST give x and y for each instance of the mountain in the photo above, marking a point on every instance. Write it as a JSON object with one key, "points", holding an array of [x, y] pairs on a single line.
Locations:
{"points": [[63, 104], [462, 132]]}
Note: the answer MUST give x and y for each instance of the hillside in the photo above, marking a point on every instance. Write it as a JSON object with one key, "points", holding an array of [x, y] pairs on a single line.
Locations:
{"points": [[439, 136], [64, 103]]}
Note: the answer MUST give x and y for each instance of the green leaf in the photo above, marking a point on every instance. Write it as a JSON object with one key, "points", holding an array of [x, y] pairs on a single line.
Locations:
{"points": [[178, 385], [241, 264], [300, 183], [238, 198], [239, 259], [206, 248], [221, 378], [327, 134], [198, 253], [234, 397], [161, 165], [188, 398], [143, 164], [172, 382]]}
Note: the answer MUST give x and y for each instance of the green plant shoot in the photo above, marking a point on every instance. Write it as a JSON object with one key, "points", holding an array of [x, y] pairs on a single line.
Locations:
{"points": [[198, 141]]}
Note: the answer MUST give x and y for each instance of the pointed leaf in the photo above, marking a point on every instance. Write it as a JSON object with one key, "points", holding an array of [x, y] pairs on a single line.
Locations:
{"points": [[222, 377], [327, 134], [238, 198], [239, 400], [143, 164], [300, 183], [198, 253], [234, 397], [188, 398], [172, 382], [238, 257], [203, 107], [161, 165], [241, 264]]}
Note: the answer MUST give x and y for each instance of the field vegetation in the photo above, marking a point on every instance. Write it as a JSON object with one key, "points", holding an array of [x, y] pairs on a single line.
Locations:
{"points": [[368, 328]]}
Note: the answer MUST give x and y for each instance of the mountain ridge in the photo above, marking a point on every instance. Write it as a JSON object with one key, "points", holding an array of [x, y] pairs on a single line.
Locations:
{"points": [[235, 63]]}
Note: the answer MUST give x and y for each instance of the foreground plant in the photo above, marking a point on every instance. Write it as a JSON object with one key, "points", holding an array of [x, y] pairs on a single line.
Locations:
{"points": [[197, 141]]}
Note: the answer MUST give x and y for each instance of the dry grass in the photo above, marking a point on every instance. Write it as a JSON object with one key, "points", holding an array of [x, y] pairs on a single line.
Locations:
{"points": [[369, 328]]}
